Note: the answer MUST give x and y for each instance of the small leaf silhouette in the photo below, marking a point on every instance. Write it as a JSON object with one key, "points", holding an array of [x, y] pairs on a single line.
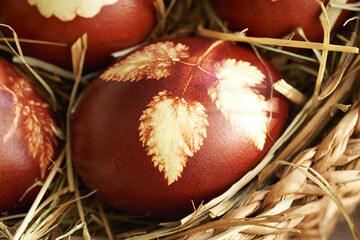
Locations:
{"points": [[67, 10], [240, 104], [172, 130], [151, 62]]}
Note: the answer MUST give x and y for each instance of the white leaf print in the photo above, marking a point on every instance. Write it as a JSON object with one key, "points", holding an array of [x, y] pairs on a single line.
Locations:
{"points": [[151, 62], [243, 106], [67, 10], [39, 136], [172, 130]]}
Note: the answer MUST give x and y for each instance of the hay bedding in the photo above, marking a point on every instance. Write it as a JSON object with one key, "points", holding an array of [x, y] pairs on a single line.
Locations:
{"points": [[307, 182]]}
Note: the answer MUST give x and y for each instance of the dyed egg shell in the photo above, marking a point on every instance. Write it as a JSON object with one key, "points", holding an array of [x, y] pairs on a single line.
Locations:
{"points": [[27, 140], [275, 19], [175, 121], [111, 25]]}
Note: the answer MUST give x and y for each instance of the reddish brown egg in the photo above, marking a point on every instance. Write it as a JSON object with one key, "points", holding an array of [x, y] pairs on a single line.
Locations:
{"points": [[27, 141], [111, 25], [276, 18], [175, 121]]}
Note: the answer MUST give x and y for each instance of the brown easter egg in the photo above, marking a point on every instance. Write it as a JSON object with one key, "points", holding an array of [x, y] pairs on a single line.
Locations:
{"points": [[28, 143], [276, 19], [111, 25], [176, 121]]}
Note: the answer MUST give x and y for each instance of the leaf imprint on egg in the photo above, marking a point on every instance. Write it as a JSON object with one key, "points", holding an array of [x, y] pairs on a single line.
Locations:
{"points": [[172, 129], [241, 104], [38, 124], [67, 10], [151, 62]]}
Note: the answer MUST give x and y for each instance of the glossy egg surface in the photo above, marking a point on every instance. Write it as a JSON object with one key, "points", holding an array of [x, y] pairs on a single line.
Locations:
{"points": [[276, 19], [111, 25], [28, 143], [176, 121]]}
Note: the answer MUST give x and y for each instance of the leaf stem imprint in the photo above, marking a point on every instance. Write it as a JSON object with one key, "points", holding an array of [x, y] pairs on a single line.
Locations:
{"points": [[200, 60]]}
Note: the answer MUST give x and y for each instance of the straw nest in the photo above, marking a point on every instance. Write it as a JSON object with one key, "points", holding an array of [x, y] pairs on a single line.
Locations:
{"points": [[306, 183]]}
